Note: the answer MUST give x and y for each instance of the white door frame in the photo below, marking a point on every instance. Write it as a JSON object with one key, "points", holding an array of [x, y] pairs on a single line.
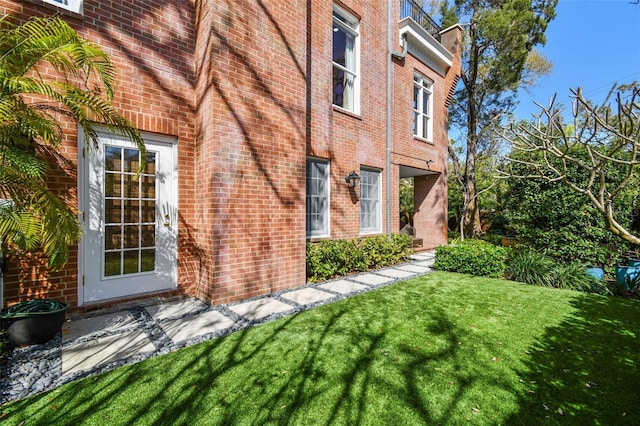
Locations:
{"points": [[83, 199]]}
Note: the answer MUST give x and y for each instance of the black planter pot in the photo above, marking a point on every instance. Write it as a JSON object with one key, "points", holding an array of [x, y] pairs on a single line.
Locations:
{"points": [[33, 322]]}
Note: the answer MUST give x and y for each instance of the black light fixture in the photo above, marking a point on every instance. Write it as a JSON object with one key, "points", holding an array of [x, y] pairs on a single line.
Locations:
{"points": [[352, 179]]}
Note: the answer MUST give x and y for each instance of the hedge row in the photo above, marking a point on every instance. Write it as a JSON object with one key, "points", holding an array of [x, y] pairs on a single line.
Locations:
{"points": [[476, 257], [333, 258]]}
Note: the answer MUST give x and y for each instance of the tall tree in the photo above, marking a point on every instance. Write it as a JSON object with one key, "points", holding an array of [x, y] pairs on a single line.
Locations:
{"points": [[33, 103], [497, 60]]}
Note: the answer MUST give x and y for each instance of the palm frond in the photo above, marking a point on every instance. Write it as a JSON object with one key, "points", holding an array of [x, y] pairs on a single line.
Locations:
{"points": [[31, 106]]}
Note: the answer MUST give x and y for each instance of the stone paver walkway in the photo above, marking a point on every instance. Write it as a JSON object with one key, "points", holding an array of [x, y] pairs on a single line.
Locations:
{"points": [[103, 342]]}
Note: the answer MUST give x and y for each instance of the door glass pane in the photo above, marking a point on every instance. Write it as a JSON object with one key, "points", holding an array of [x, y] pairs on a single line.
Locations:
{"points": [[112, 213], [148, 186], [130, 262], [131, 186], [148, 211], [147, 260], [112, 237], [111, 264], [130, 211], [112, 158], [150, 168], [112, 184], [147, 235], [131, 236], [131, 160]]}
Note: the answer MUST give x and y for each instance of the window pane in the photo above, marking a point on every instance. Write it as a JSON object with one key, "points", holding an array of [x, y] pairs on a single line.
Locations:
{"points": [[317, 201], [130, 262], [112, 213], [131, 187], [148, 186], [112, 184], [131, 160], [340, 40], [111, 264], [147, 260], [370, 201], [112, 237], [112, 161], [131, 235], [131, 211], [150, 168], [148, 236]]}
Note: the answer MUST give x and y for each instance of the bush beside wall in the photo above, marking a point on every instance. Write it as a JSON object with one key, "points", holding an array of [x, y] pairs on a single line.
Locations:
{"points": [[474, 257], [333, 258], [477, 257]]}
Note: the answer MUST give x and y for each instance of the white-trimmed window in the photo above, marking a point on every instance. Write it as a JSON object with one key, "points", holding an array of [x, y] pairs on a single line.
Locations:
{"points": [[370, 206], [422, 107], [317, 198], [345, 60], [71, 5]]}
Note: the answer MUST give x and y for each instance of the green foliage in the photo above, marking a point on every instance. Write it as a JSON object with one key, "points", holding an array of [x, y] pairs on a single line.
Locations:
{"points": [[33, 101], [407, 209], [475, 257], [531, 267], [554, 220], [534, 268], [442, 349], [332, 258], [496, 49]]}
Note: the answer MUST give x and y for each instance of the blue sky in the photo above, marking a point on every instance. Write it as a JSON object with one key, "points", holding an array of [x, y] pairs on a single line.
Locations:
{"points": [[592, 44]]}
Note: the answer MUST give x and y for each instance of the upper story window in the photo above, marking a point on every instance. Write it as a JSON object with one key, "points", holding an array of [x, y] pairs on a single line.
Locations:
{"points": [[317, 198], [370, 206], [345, 60], [70, 5], [422, 107]]}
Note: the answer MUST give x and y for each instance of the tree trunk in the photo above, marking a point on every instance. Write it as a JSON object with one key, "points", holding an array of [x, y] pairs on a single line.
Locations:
{"points": [[471, 212]]}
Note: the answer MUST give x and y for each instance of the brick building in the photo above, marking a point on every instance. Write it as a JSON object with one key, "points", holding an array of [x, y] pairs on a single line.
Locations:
{"points": [[253, 112]]}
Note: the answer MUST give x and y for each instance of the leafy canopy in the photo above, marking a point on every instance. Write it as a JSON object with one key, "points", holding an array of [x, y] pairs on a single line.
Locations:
{"points": [[34, 102]]}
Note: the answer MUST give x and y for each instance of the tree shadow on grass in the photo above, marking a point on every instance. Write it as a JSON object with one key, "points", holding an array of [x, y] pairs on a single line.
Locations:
{"points": [[342, 362], [586, 370], [418, 352]]}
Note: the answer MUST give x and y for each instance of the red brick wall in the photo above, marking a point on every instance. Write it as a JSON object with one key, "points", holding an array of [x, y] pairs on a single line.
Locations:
{"points": [[430, 197], [245, 87], [250, 148], [347, 140], [151, 44]]}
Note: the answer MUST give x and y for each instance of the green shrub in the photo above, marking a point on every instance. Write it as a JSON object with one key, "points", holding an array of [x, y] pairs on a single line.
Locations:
{"points": [[531, 267], [574, 277], [473, 257], [332, 258], [534, 268]]}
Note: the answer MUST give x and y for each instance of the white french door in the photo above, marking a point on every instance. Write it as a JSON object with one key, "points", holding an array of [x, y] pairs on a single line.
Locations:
{"points": [[130, 241]]}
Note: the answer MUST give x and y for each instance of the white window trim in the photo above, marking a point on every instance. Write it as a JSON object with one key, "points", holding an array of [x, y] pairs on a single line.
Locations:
{"points": [[351, 25], [424, 84], [378, 225], [70, 5], [326, 232]]}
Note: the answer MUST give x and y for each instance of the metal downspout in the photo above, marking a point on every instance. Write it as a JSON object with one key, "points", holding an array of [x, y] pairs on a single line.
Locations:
{"points": [[389, 93]]}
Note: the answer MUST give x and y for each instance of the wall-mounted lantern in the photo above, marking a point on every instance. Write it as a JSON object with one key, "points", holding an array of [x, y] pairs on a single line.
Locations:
{"points": [[352, 179]]}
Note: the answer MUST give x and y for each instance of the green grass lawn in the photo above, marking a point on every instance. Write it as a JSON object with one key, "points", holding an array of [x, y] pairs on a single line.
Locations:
{"points": [[440, 349]]}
